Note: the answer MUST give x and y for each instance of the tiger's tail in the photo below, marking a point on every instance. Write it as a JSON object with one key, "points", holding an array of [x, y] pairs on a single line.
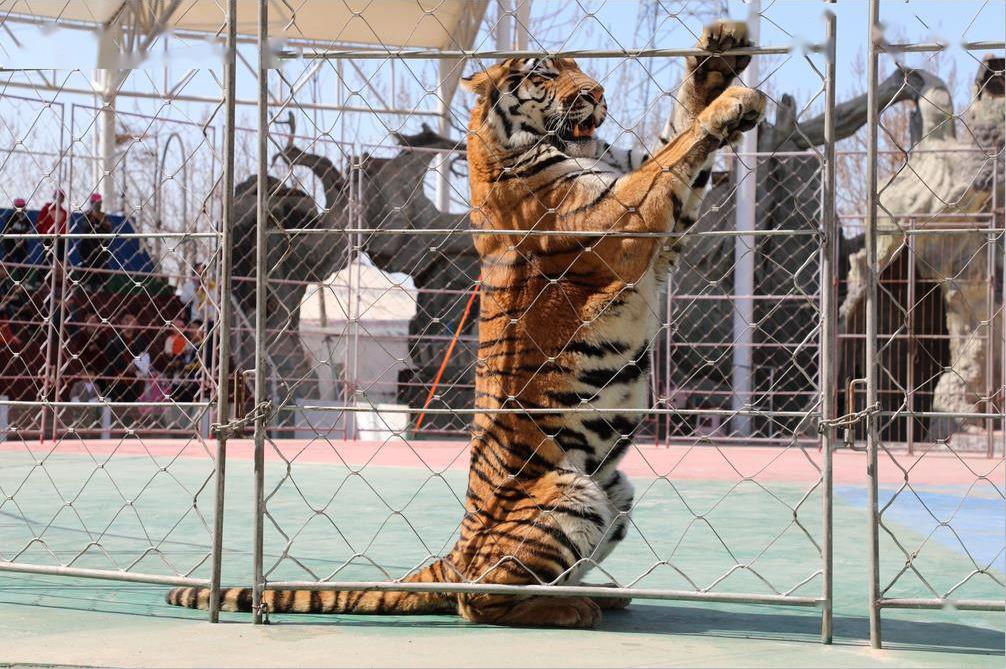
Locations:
{"points": [[384, 602]]}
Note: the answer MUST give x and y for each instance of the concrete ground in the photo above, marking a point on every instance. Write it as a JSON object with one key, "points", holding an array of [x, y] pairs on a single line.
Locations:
{"points": [[687, 526]]}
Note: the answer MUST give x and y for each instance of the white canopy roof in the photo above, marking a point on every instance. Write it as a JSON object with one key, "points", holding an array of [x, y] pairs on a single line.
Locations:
{"points": [[447, 24]]}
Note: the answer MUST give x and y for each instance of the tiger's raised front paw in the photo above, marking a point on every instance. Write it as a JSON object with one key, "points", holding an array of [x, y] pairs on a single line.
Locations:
{"points": [[737, 110], [712, 74]]}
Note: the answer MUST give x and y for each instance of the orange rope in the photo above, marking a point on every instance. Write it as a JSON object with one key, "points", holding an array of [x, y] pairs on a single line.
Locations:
{"points": [[447, 356]]}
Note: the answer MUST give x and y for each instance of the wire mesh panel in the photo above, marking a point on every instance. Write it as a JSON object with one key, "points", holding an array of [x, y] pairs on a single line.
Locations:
{"points": [[368, 456], [931, 276], [109, 313], [426, 277]]}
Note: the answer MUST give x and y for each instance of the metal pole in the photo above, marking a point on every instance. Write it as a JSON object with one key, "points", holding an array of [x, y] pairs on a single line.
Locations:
{"points": [[355, 296], [106, 83], [829, 322], [224, 323], [744, 255], [443, 164], [64, 299], [872, 275], [48, 372], [912, 342], [523, 24], [261, 286], [504, 21], [990, 302], [356, 204], [990, 353], [668, 382]]}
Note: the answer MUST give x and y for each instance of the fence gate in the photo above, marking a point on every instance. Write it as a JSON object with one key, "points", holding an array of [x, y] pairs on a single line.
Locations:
{"points": [[103, 472], [952, 253], [365, 394]]}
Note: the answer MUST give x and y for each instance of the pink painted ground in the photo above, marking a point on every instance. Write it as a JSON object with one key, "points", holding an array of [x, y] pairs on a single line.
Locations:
{"points": [[645, 461]]}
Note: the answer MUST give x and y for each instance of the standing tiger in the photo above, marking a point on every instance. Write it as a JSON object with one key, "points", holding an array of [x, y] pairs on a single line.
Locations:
{"points": [[565, 325]]}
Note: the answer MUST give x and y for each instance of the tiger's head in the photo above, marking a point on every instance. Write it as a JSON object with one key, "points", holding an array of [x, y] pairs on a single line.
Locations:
{"points": [[526, 101]]}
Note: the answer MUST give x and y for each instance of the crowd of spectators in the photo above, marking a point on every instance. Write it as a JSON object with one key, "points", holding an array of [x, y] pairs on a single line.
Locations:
{"points": [[119, 347], [126, 361]]}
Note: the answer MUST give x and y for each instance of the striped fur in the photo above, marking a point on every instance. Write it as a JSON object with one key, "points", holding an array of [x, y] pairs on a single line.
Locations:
{"points": [[565, 323]]}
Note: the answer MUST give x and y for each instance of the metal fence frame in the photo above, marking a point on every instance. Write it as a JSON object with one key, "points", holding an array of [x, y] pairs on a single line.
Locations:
{"points": [[45, 406], [826, 415], [826, 233], [875, 445]]}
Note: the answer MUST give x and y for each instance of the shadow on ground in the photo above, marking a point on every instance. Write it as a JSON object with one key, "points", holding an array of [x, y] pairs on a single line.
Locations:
{"points": [[713, 621], [942, 637], [920, 635]]}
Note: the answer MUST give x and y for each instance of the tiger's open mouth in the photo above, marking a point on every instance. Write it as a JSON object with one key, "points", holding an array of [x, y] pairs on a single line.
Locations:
{"points": [[581, 131]]}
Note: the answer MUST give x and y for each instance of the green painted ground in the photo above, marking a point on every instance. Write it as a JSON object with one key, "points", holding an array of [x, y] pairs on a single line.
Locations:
{"points": [[329, 522]]}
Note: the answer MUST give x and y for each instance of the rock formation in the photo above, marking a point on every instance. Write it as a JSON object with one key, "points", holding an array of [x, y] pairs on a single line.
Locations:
{"points": [[444, 267], [788, 198], [293, 261], [947, 178]]}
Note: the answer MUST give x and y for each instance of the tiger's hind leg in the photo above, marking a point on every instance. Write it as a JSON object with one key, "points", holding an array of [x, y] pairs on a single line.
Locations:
{"points": [[549, 535], [620, 495], [573, 612], [609, 603]]}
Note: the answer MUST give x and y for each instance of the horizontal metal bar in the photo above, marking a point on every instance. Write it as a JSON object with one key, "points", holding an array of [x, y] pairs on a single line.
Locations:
{"points": [[112, 235], [939, 414], [931, 47], [955, 217], [764, 155], [923, 232], [200, 99], [959, 604], [564, 410], [914, 151], [105, 574], [983, 45], [632, 54], [550, 233], [912, 47], [555, 590], [44, 403]]}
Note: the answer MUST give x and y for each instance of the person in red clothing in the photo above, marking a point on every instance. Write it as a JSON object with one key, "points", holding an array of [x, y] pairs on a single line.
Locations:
{"points": [[52, 220]]}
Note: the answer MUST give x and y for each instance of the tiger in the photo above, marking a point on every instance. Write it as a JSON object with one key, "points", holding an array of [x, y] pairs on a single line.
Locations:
{"points": [[565, 324]]}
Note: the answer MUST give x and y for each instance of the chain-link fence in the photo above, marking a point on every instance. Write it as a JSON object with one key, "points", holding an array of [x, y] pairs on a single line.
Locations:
{"points": [[930, 283], [110, 351], [311, 278]]}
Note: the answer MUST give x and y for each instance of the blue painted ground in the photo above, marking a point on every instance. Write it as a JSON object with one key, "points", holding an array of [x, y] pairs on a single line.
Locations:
{"points": [[974, 518]]}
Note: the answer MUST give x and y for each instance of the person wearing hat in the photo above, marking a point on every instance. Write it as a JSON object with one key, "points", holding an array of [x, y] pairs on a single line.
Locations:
{"points": [[93, 251], [15, 251], [52, 221]]}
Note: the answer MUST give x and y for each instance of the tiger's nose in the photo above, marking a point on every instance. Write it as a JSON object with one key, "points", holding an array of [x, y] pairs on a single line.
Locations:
{"points": [[592, 94]]}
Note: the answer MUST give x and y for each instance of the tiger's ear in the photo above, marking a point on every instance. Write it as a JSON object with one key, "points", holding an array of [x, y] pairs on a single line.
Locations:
{"points": [[477, 82]]}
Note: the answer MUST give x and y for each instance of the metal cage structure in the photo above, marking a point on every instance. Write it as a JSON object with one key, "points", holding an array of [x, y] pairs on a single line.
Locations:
{"points": [[321, 313]]}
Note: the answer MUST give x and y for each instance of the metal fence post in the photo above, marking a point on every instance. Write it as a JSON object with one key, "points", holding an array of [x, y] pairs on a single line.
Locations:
{"points": [[746, 249], [829, 329], [106, 422], [224, 323], [872, 276], [4, 417], [261, 286]]}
